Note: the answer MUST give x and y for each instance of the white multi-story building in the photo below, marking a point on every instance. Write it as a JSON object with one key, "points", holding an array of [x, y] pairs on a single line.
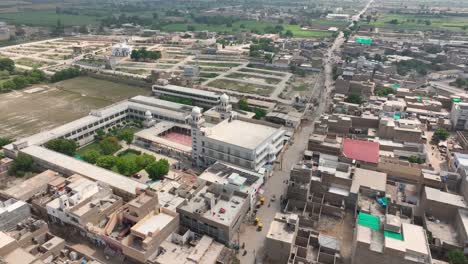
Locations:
{"points": [[459, 116], [239, 141]]}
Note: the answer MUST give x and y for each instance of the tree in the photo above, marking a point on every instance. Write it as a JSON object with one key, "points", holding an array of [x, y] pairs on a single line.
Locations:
{"points": [[126, 165], [126, 135], [439, 135], [143, 160], [414, 159], [457, 257], [109, 145], [157, 170], [83, 29], [368, 18], [66, 74], [4, 141], [91, 156], [191, 28], [393, 22], [59, 29], [100, 134], [155, 15], [64, 146], [288, 34], [385, 91], [9, 85], [354, 99], [106, 162], [7, 64], [22, 164]]}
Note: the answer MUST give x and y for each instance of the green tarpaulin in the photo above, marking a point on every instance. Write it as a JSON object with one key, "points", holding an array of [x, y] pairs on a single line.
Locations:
{"points": [[456, 100], [397, 116], [397, 236], [396, 85], [367, 220], [366, 41]]}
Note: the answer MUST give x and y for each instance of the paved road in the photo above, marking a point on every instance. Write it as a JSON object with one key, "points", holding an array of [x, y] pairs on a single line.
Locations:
{"points": [[253, 239]]}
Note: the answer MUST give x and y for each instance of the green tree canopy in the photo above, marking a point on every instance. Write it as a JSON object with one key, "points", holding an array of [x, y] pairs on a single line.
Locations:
{"points": [[22, 164], [91, 156], [7, 64], [354, 99], [4, 141], [143, 160], [457, 257], [440, 134], [106, 162], [126, 135], [109, 145], [64, 146], [157, 170]]}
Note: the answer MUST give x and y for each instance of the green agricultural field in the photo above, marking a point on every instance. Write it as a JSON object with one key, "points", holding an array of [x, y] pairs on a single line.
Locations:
{"points": [[420, 22], [47, 18]]}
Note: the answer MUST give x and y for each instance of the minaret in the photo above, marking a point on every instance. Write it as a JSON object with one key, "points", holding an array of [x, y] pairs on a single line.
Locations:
{"points": [[196, 122], [224, 108]]}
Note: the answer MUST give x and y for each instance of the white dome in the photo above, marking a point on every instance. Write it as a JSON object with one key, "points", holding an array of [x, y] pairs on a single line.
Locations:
{"points": [[224, 98], [148, 113], [196, 110]]}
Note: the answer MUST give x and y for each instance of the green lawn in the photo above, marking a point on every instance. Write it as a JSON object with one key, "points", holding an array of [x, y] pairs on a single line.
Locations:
{"points": [[47, 18], [92, 146]]}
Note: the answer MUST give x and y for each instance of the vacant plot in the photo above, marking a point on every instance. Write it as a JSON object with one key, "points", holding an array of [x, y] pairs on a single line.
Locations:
{"points": [[32, 63], [254, 78], [23, 114], [214, 64], [241, 87], [259, 71]]}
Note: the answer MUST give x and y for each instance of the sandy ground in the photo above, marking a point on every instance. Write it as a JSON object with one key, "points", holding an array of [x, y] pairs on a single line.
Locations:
{"points": [[23, 113]]}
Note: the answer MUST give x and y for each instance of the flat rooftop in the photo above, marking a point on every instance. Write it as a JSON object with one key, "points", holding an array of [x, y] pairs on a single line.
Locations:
{"points": [[372, 179], [444, 197], [114, 180], [28, 188], [279, 231], [223, 211], [152, 224], [240, 133], [192, 91]]}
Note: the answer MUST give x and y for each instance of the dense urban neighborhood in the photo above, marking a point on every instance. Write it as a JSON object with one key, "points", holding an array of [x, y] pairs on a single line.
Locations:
{"points": [[227, 132]]}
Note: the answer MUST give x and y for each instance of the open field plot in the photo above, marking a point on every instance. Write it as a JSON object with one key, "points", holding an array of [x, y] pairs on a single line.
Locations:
{"points": [[32, 63], [264, 72], [253, 78], [241, 87], [247, 26], [134, 71], [24, 113], [214, 64], [420, 22]]}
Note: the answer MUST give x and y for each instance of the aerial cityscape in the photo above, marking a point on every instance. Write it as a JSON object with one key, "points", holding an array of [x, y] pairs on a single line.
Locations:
{"points": [[227, 132]]}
